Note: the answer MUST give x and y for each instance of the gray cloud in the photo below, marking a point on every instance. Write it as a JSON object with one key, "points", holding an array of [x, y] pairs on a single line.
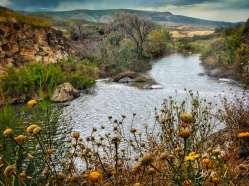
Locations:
{"points": [[194, 8]]}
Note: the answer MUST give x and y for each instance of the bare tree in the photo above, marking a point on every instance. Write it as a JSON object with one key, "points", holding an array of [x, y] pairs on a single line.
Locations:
{"points": [[135, 28]]}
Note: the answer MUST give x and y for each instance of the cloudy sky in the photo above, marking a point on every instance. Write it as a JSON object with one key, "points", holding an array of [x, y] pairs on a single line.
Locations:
{"points": [[220, 10]]}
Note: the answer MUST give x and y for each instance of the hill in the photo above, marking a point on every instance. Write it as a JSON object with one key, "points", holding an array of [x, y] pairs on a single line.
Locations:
{"points": [[6, 14], [107, 16]]}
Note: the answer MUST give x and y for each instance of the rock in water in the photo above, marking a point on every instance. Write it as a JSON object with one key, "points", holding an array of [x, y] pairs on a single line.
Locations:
{"points": [[65, 92], [126, 80]]}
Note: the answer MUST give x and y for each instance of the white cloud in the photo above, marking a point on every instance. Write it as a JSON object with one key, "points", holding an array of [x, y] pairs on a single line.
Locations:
{"points": [[4, 3]]}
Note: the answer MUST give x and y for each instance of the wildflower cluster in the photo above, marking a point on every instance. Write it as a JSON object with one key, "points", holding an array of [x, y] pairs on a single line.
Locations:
{"points": [[181, 149]]}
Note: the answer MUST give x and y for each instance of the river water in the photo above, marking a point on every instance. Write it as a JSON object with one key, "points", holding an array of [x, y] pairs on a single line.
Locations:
{"points": [[175, 73]]}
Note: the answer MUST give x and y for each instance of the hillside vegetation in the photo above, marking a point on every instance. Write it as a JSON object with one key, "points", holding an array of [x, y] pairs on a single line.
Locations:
{"points": [[230, 51], [6, 14]]}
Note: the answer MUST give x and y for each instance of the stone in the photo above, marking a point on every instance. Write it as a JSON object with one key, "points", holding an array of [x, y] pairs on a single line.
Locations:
{"points": [[65, 92], [201, 74], [152, 86], [215, 72], [22, 43], [126, 80]]}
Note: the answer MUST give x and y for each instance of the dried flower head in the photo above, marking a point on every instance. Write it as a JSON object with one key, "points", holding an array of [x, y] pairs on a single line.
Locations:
{"points": [[133, 130], [151, 171], [8, 132], [32, 103], [94, 177], [146, 160], [74, 179], [22, 176], [31, 128], [186, 118], [9, 170], [184, 133], [242, 167], [60, 176], [20, 138], [136, 167], [115, 139], [163, 156], [216, 152], [209, 150], [37, 130], [139, 133], [30, 156]]}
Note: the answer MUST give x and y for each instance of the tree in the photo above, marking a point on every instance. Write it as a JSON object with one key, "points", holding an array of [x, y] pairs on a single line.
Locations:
{"points": [[137, 29], [159, 41]]}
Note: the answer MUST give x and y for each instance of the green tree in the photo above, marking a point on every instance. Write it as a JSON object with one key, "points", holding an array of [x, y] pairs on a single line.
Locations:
{"points": [[137, 29], [159, 41]]}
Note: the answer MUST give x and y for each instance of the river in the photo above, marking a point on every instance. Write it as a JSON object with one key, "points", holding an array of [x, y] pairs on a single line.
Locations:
{"points": [[175, 73]]}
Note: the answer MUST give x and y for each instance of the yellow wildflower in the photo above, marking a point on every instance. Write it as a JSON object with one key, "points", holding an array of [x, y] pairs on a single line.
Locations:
{"points": [[8, 132], [207, 163], [32, 103], [94, 177], [189, 158], [243, 135], [76, 135], [192, 156]]}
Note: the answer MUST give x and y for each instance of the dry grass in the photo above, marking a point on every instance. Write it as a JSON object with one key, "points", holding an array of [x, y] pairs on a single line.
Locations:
{"points": [[178, 34]]}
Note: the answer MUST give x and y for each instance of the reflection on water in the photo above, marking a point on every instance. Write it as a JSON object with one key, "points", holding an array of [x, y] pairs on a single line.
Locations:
{"points": [[174, 73]]}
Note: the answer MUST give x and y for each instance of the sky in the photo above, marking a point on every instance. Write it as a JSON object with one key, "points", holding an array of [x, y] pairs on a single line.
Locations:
{"points": [[217, 10]]}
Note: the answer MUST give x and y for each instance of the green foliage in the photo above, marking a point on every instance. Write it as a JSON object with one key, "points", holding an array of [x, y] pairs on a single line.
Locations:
{"points": [[34, 77], [246, 28], [223, 50], [30, 78], [6, 14], [160, 42], [79, 80]]}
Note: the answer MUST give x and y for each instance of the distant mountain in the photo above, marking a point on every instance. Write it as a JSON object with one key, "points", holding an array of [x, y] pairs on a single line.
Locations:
{"points": [[107, 16]]}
